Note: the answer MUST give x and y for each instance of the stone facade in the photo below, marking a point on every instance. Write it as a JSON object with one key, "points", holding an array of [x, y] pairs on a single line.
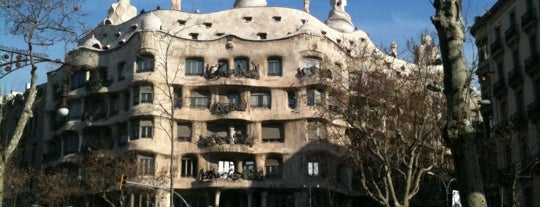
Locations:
{"points": [[241, 88], [508, 72]]}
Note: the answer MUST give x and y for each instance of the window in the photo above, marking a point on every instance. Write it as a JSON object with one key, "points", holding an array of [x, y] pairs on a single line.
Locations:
{"points": [[142, 94], [145, 63], [142, 200], [122, 135], [291, 97], [260, 100], [312, 62], [122, 71], [273, 132], [273, 168], [241, 66], [71, 143], [274, 67], [184, 132], [114, 104], [313, 168], [142, 129], [249, 168], [178, 97], [188, 167], [125, 99], [234, 99], [75, 109], [200, 99], [225, 167], [223, 66], [194, 67], [78, 79], [314, 97], [262, 35], [221, 130], [146, 165]]}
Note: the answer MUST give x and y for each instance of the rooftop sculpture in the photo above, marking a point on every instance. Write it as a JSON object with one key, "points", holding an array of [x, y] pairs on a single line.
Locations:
{"points": [[338, 18], [120, 12]]}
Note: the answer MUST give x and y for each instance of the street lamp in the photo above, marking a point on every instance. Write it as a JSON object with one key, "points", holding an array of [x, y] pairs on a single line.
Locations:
{"points": [[63, 109]]}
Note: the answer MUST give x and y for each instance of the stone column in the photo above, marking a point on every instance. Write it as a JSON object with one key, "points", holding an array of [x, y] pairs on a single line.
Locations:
{"points": [[216, 202], [264, 194], [239, 166], [259, 162]]}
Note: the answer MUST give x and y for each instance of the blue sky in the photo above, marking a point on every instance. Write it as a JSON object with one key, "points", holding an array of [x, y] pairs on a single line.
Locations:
{"points": [[384, 20]]}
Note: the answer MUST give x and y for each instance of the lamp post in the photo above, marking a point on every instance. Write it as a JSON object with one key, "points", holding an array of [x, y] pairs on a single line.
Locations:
{"points": [[63, 109]]}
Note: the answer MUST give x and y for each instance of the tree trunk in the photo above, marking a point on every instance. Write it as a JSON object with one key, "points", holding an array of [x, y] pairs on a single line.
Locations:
{"points": [[26, 114], [459, 134]]}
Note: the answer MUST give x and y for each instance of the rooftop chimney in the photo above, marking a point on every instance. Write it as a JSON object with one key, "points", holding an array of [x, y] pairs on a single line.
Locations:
{"points": [[249, 3]]}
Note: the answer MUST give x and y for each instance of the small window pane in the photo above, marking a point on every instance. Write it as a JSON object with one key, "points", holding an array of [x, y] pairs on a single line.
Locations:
{"points": [[274, 67], [145, 63], [194, 67]]}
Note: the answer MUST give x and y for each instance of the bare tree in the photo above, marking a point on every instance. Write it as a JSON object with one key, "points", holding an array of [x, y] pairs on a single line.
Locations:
{"points": [[40, 23], [392, 123], [459, 132]]}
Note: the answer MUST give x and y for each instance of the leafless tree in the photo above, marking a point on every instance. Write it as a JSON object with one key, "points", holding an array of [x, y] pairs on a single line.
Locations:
{"points": [[40, 23], [392, 123]]}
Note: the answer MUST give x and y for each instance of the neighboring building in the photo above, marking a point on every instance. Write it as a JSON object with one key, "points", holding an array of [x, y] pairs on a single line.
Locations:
{"points": [[241, 86], [509, 75]]}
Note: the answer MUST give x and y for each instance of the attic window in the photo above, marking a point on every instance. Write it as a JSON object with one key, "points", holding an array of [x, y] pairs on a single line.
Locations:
{"points": [[338, 40], [247, 19], [351, 42], [219, 34], [207, 24], [363, 39], [277, 18], [134, 26], [104, 35], [181, 22], [323, 32], [262, 35], [96, 46], [194, 36], [117, 35], [303, 21]]}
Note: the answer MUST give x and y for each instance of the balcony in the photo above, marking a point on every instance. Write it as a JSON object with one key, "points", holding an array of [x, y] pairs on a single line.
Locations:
{"points": [[496, 48], [515, 78], [511, 36], [518, 119], [499, 88], [533, 110], [226, 107], [529, 21], [532, 66], [217, 140], [214, 74]]}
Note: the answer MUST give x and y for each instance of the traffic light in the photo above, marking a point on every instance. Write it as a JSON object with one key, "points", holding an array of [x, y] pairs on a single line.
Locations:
{"points": [[122, 181]]}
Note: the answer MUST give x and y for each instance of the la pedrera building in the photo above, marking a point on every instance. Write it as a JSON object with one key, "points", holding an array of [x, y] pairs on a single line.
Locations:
{"points": [[230, 98]]}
